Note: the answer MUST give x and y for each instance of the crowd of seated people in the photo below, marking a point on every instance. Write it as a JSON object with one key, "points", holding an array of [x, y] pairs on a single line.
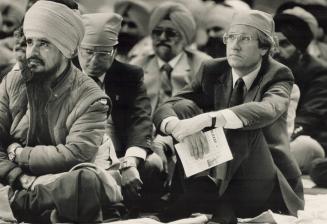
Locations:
{"points": [[93, 104]]}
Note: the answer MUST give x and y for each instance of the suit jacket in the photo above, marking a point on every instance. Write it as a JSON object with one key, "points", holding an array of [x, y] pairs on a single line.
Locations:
{"points": [[311, 77], [265, 107], [131, 108], [183, 73]]}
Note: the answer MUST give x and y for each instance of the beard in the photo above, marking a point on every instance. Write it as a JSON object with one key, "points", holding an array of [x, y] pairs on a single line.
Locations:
{"points": [[44, 76], [126, 42], [291, 62], [215, 47]]}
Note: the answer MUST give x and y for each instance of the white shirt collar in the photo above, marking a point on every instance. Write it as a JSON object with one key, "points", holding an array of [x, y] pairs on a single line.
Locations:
{"points": [[173, 62], [248, 78], [101, 78]]}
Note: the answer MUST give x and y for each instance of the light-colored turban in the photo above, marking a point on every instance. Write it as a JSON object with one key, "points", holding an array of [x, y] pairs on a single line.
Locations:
{"points": [[101, 29], [220, 16], [138, 11], [179, 15], [61, 25], [257, 19]]}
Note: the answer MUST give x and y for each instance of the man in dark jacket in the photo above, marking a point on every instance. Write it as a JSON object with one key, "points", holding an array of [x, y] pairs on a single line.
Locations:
{"points": [[247, 95], [129, 125], [52, 118], [310, 135]]}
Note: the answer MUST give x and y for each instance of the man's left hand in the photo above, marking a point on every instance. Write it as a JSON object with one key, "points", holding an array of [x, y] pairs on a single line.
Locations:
{"points": [[191, 126]]}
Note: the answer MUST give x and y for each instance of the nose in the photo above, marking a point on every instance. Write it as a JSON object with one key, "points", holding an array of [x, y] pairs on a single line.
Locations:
{"points": [[124, 28], [32, 50], [234, 44]]}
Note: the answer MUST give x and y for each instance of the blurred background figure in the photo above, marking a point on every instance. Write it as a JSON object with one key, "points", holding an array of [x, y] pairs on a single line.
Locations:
{"points": [[216, 23], [309, 137], [315, 15], [171, 64], [12, 13], [134, 36]]}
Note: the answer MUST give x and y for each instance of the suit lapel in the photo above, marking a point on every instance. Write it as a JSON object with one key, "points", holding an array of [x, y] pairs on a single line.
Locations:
{"points": [[256, 85]]}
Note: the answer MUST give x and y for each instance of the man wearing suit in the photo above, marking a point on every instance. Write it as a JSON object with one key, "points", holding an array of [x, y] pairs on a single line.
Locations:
{"points": [[130, 126], [247, 95], [172, 65]]}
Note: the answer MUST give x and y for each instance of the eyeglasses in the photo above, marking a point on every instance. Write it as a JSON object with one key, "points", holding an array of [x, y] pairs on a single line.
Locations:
{"points": [[240, 37], [169, 33], [90, 53]]}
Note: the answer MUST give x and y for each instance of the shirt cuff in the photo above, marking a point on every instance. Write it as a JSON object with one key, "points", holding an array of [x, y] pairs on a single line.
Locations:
{"points": [[165, 122], [232, 121], [135, 151]]}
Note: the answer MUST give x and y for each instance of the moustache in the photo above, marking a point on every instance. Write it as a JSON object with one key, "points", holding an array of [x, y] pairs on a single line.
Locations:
{"points": [[35, 59], [161, 43]]}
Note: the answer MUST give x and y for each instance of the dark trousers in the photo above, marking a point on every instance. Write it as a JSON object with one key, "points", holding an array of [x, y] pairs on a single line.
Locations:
{"points": [[250, 186], [77, 196]]}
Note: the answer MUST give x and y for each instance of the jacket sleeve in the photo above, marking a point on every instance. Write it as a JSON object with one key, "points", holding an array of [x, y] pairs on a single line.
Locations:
{"points": [[140, 125], [192, 91], [274, 103], [9, 171], [82, 142]]}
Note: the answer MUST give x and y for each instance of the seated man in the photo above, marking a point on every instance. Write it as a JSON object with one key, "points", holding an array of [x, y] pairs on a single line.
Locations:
{"points": [[52, 118], [247, 95], [130, 126], [310, 136], [172, 65]]}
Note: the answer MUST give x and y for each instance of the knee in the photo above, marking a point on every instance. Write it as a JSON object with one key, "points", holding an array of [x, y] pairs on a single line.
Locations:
{"points": [[88, 178], [186, 109]]}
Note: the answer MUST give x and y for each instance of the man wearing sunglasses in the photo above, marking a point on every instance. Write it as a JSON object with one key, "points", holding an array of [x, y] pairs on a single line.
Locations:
{"points": [[129, 125], [247, 94]]}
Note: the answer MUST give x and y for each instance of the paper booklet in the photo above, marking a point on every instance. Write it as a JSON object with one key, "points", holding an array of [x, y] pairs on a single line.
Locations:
{"points": [[219, 152]]}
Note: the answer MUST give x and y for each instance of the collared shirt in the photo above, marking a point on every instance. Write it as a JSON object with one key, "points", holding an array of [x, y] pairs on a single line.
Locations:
{"points": [[173, 62], [232, 121]]}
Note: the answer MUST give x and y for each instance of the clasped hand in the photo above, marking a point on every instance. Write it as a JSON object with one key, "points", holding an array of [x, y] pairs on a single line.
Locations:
{"points": [[189, 131]]}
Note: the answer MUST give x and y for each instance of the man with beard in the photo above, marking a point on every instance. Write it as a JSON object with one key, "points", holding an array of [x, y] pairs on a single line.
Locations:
{"points": [[309, 139], [247, 94], [172, 65], [130, 126], [52, 119], [217, 20], [133, 36]]}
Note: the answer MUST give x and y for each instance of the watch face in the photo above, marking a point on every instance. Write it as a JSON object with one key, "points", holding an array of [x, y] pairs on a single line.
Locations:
{"points": [[11, 156]]}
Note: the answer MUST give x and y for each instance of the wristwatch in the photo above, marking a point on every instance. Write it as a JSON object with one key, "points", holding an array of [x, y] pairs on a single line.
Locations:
{"points": [[12, 152], [126, 163], [213, 120]]}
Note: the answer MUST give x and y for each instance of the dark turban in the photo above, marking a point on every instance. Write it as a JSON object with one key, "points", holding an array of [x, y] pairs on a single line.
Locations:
{"points": [[179, 15], [296, 30]]}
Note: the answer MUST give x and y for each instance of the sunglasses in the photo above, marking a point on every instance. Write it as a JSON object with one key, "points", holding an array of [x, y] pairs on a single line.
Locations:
{"points": [[169, 33], [129, 24]]}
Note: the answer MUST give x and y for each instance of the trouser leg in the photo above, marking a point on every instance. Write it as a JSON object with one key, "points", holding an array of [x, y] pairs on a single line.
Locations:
{"points": [[318, 172], [77, 196]]}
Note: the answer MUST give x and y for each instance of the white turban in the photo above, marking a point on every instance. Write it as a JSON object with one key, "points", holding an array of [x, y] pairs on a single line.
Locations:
{"points": [[61, 25]]}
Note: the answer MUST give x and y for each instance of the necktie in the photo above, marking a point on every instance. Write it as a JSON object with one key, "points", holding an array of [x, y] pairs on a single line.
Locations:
{"points": [[238, 93], [166, 87]]}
